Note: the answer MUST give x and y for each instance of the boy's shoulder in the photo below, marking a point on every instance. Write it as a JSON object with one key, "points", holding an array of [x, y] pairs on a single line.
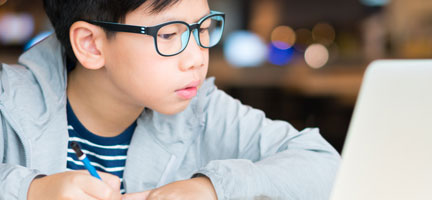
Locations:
{"points": [[44, 62]]}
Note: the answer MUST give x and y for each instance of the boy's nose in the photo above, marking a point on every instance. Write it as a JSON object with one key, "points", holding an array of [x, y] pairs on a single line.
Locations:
{"points": [[194, 55]]}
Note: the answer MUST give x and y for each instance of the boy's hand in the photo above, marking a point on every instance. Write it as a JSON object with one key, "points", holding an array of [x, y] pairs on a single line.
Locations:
{"points": [[75, 185], [199, 188]]}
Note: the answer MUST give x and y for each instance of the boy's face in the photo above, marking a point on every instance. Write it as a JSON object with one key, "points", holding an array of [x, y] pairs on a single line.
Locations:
{"points": [[141, 76]]}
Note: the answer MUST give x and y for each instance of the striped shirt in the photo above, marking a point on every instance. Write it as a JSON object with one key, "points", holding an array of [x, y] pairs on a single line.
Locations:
{"points": [[106, 154]]}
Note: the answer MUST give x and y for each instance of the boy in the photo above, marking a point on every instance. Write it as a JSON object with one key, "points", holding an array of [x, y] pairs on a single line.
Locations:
{"points": [[121, 78]]}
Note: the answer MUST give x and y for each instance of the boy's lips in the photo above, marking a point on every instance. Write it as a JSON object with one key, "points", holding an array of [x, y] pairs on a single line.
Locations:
{"points": [[189, 91]]}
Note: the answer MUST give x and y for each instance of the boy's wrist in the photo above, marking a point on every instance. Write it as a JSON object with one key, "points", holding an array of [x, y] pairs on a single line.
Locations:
{"points": [[206, 182], [33, 188]]}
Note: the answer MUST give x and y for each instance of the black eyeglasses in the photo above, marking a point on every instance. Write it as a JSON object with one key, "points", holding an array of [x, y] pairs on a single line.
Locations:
{"points": [[171, 38]]}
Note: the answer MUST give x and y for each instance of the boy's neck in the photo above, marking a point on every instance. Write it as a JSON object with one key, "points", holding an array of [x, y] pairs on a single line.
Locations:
{"points": [[94, 103]]}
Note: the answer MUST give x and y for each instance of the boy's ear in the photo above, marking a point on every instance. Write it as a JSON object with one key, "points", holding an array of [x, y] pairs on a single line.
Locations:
{"points": [[87, 40]]}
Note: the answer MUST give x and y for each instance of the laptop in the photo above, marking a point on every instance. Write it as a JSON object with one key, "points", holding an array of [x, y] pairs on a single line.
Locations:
{"points": [[388, 151]]}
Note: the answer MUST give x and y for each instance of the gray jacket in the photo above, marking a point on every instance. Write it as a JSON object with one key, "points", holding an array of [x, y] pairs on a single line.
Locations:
{"points": [[245, 154]]}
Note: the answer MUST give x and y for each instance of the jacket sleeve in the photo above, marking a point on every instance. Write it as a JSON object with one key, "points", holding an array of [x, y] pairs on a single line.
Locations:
{"points": [[14, 179], [250, 156]]}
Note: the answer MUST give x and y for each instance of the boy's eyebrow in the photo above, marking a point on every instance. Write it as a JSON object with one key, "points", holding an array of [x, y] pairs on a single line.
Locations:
{"points": [[171, 18]]}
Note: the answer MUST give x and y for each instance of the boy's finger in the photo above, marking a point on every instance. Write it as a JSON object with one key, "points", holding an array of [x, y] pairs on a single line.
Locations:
{"points": [[111, 180], [136, 196], [97, 188], [84, 196]]}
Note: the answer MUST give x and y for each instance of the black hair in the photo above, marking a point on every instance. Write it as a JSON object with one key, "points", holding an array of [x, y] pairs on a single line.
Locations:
{"points": [[63, 13]]}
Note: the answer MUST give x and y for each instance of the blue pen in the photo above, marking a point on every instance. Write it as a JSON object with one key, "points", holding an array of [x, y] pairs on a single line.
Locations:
{"points": [[81, 156]]}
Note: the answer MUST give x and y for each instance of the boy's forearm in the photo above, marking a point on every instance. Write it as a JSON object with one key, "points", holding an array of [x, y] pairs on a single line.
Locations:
{"points": [[192, 189], [304, 168], [15, 181], [292, 174]]}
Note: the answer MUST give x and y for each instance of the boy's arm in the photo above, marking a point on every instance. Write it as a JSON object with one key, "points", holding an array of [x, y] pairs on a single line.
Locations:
{"points": [[272, 158], [14, 179]]}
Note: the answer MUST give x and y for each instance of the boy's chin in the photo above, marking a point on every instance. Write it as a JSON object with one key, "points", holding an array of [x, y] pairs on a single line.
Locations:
{"points": [[172, 110]]}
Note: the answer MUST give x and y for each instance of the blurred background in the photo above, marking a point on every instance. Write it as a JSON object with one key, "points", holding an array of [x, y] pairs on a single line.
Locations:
{"points": [[297, 60]]}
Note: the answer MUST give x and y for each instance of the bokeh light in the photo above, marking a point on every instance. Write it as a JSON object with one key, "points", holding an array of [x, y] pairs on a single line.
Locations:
{"points": [[304, 39], [245, 49], [323, 33], [16, 28], [278, 56], [316, 56], [375, 2], [283, 37]]}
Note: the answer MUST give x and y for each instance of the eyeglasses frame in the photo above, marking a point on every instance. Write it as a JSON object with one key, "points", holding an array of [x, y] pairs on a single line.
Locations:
{"points": [[152, 30]]}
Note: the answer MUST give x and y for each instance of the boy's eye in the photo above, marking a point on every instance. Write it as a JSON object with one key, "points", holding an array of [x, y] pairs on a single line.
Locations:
{"points": [[167, 36], [203, 30]]}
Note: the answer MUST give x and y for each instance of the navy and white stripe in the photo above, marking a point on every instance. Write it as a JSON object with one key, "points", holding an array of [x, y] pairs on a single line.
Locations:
{"points": [[106, 154]]}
